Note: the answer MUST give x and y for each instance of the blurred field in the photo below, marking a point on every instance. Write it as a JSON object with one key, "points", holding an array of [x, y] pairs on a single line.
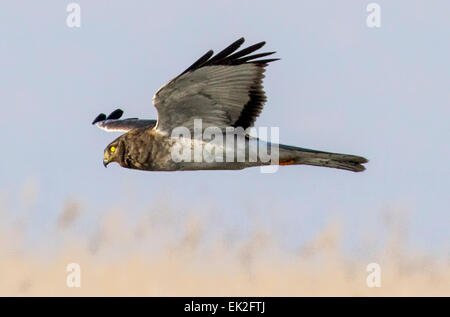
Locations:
{"points": [[166, 254]]}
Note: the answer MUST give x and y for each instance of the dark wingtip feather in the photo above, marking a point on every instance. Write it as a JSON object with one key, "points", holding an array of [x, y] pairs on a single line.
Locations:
{"points": [[265, 61], [116, 114], [229, 56], [254, 56], [226, 52], [242, 56], [100, 117], [200, 62], [245, 51]]}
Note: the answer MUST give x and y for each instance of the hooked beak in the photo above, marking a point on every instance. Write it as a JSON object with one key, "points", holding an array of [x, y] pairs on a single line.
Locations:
{"points": [[106, 159]]}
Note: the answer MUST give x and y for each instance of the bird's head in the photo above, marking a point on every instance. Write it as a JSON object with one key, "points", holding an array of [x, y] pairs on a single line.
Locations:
{"points": [[113, 152]]}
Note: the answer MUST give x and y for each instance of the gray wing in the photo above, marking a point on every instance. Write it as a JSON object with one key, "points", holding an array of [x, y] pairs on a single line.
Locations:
{"points": [[223, 90], [113, 123]]}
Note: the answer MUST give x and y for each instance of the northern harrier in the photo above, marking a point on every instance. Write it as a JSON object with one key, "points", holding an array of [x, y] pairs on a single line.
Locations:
{"points": [[225, 91]]}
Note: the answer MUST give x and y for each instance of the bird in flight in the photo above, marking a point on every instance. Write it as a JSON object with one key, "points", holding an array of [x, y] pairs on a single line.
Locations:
{"points": [[223, 93]]}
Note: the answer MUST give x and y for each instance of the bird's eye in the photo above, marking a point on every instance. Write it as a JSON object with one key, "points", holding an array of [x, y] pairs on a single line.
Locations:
{"points": [[112, 149]]}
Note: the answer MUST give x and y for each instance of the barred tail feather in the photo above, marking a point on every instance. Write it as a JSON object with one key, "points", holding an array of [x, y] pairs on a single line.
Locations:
{"points": [[296, 155]]}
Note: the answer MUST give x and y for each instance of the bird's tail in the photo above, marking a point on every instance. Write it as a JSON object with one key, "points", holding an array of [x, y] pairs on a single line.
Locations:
{"points": [[295, 155]]}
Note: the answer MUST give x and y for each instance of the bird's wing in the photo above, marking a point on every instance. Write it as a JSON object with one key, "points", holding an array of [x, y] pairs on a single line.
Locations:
{"points": [[113, 123], [223, 90]]}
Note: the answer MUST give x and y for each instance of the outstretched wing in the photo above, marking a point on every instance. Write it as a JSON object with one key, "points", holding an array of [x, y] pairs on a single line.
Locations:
{"points": [[112, 122], [223, 90]]}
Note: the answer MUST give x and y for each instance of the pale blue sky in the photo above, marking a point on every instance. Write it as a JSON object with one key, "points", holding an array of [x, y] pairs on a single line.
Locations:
{"points": [[340, 86]]}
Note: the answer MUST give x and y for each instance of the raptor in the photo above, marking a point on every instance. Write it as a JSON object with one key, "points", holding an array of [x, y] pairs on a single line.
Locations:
{"points": [[224, 91]]}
